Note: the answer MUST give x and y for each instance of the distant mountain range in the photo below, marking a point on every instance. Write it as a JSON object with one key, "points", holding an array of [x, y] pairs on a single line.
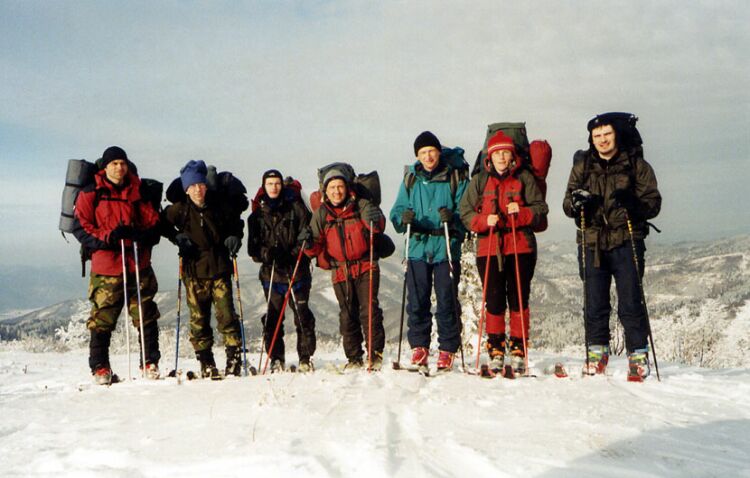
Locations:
{"points": [[698, 298]]}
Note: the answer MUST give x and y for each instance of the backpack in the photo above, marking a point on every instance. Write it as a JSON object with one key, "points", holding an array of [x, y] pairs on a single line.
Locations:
{"points": [[453, 157], [366, 186], [80, 174], [536, 157]]}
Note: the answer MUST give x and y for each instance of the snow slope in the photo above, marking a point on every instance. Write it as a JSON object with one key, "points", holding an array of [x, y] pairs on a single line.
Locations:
{"points": [[394, 423]]}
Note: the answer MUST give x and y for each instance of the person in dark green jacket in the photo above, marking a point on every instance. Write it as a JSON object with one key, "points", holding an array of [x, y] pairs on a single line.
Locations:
{"points": [[430, 201], [207, 231]]}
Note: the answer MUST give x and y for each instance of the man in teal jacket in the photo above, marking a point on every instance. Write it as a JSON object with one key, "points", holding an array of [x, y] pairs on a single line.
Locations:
{"points": [[428, 199]]}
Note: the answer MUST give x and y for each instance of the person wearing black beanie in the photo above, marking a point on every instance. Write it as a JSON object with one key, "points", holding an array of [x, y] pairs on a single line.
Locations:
{"points": [[426, 138]]}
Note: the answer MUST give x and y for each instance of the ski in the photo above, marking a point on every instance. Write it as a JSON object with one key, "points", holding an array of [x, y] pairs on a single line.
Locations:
{"points": [[508, 372]]}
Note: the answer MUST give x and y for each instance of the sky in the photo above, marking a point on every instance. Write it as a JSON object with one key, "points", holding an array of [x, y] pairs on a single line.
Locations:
{"points": [[249, 86]]}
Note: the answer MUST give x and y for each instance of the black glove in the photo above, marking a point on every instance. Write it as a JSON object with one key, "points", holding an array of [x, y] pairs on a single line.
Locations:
{"points": [[121, 232], [446, 215], [233, 244], [184, 243], [407, 217], [372, 215], [580, 200], [304, 236], [627, 199]]}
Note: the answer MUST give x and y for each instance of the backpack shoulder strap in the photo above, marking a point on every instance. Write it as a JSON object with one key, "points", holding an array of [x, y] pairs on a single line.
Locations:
{"points": [[409, 179]]}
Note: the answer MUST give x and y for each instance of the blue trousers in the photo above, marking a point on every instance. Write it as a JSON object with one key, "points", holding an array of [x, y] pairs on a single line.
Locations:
{"points": [[617, 263], [420, 278]]}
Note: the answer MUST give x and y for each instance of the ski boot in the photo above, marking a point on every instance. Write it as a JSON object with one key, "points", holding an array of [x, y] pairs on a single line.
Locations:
{"points": [[305, 366], [445, 361], [377, 362], [103, 375], [419, 356], [638, 366], [277, 365], [496, 350], [234, 361], [517, 356], [354, 364], [598, 356]]}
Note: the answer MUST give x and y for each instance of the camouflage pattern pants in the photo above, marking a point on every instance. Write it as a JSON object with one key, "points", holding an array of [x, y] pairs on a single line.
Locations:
{"points": [[201, 293], [108, 298]]}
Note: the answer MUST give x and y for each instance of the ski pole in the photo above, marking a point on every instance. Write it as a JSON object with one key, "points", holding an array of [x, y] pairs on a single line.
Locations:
{"points": [[483, 312], [283, 308], [369, 304], [520, 295], [268, 304], [127, 305], [179, 305], [585, 289], [242, 318], [140, 309], [397, 363], [454, 291], [643, 297]]}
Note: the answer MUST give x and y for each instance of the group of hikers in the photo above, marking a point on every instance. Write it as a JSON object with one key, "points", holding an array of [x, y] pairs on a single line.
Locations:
{"points": [[611, 194]]}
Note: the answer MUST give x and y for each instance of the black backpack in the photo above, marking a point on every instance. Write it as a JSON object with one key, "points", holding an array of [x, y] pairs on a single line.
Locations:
{"points": [[225, 185], [454, 157]]}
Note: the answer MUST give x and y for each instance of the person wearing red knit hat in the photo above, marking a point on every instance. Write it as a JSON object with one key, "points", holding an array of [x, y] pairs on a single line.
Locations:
{"points": [[503, 188]]}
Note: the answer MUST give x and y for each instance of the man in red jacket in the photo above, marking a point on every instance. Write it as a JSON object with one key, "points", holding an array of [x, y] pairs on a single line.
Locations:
{"points": [[339, 235], [109, 212]]}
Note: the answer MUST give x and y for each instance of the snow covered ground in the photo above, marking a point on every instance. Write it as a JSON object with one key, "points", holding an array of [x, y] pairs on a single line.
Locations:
{"points": [[54, 422]]}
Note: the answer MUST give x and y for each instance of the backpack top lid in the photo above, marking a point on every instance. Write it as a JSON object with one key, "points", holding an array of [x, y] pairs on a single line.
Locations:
{"points": [[624, 125]]}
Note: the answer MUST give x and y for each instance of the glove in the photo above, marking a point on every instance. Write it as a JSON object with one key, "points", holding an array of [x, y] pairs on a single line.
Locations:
{"points": [[407, 217], [121, 232], [233, 244], [305, 236], [184, 243], [373, 215], [625, 198], [580, 200], [446, 215]]}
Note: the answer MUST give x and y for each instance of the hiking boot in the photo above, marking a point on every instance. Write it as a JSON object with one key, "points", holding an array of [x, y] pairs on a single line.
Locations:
{"points": [[377, 362], [445, 361], [277, 366], [598, 356], [305, 366], [208, 364], [496, 349], [234, 361], [354, 364], [103, 376], [152, 371], [419, 356], [638, 366]]}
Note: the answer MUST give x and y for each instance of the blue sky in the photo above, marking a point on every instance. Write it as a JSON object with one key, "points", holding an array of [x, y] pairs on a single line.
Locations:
{"points": [[295, 85]]}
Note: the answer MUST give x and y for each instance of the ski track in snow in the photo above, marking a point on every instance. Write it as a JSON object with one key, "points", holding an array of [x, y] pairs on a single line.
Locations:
{"points": [[55, 422]]}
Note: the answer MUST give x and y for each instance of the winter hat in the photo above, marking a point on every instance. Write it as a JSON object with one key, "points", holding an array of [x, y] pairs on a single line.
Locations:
{"points": [[194, 172], [272, 173], [424, 139], [112, 153], [333, 173], [499, 142]]}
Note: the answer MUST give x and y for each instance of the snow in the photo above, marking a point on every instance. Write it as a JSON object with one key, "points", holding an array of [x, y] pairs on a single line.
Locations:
{"points": [[55, 422]]}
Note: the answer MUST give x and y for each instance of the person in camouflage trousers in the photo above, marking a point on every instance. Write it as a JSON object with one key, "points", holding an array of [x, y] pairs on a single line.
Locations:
{"points": [[207, 232], [109, 213]]}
